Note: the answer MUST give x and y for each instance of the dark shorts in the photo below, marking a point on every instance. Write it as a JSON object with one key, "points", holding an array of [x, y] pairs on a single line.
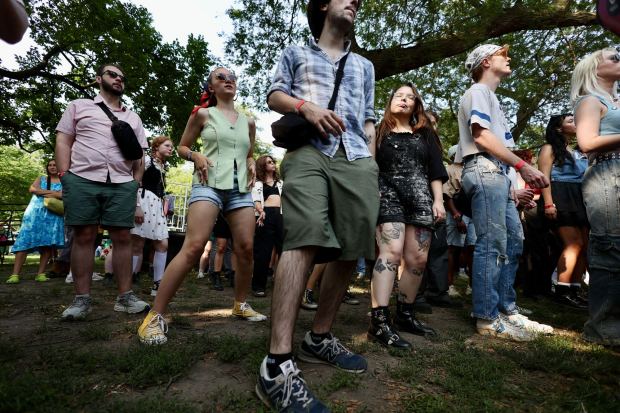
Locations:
{"points": [[568, 201], [331, 203], [98, 203]]}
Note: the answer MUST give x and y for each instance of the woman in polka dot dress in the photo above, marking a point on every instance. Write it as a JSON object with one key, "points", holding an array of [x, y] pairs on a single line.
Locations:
{"points": [[151, 224]]}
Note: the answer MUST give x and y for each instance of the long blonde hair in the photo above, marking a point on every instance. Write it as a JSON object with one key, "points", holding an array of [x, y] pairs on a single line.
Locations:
{"points": [[585, 81]]}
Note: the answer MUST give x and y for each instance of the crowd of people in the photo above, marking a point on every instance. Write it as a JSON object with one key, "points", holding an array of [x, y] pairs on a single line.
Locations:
{"points": [[356, 190]]}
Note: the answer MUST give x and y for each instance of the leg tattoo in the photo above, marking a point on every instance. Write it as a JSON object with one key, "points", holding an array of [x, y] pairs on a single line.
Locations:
{"points": [[423, 236]]}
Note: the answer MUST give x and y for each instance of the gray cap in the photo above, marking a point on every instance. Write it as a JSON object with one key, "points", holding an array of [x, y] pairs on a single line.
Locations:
{"points": [[452, 151], [475, 58]]}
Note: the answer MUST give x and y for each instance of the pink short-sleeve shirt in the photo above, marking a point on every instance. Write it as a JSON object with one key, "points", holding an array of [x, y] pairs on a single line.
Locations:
{"points": [[95, 154]]}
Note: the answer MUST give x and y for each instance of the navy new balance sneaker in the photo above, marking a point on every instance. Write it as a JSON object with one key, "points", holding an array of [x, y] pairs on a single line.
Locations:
{"points": [[288, 391], [331, 351]]}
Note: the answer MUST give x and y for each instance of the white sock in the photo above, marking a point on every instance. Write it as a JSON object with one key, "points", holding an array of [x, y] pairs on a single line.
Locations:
{"points": [[134, 263], [159, 264]]}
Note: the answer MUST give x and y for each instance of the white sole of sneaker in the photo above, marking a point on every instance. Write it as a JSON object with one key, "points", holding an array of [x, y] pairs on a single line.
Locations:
{"points": [[123, 309], [154, 342], [262, 396], [493, 333], [311, 358], [252, 319]]}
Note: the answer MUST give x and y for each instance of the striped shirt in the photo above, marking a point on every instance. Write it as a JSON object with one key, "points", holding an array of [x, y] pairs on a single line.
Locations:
{"points": [[308, 73]]}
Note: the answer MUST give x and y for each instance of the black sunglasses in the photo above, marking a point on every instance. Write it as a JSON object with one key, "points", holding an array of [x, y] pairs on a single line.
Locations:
{"points": [[114, 75], [224, 77]]}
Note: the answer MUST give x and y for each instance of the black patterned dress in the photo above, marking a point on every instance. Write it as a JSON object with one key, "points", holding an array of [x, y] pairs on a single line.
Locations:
{"points": [[408, 162]]}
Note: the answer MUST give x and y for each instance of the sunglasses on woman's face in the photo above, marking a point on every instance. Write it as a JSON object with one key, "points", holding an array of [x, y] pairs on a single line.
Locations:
{"points": [[501, 52], [226, 77], [114, 75]]}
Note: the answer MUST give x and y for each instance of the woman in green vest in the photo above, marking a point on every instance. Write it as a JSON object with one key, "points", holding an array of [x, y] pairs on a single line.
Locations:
{"points": [[224, 173]]}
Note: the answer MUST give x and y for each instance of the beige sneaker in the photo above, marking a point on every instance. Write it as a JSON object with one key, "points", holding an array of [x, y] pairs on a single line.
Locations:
{"points": [[245, 311], [499, 328], [153, 330], [519, 320]]}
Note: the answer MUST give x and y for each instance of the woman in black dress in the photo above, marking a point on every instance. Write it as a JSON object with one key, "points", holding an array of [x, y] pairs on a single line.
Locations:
{"points": [[411, 174]]}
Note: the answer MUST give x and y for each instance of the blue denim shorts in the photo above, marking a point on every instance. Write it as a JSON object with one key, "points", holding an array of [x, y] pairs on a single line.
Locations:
{"points": [[454, 237], [225, 199]]}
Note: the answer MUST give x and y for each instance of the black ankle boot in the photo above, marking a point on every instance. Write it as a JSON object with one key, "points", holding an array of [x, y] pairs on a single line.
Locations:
{"points": [[564, 296], [216, 282], [381, 329], [405, 320]]}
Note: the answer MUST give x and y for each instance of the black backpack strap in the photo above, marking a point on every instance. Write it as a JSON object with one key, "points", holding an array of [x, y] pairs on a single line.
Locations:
{"points": [[339, 76], [107, 111]]}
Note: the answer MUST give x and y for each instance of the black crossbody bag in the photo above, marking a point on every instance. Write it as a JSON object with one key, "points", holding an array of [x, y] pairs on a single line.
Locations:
{"points": [[124, 135], [292, 131]]}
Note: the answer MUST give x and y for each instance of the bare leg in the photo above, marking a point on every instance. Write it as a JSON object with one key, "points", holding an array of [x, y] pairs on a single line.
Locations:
{"points": [[390, 239], [573, 246], [121, 264], [45, 254], [288, 288], [137, 248], [220, 250], [317, 273], [204, 258], [20, 258], [417, 244], [242, 223], [200, 220], [334, 285], [82, 261]]}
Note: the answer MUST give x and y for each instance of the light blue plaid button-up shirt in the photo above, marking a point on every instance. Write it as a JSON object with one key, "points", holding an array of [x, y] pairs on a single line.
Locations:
{"points": [[308, 73]]}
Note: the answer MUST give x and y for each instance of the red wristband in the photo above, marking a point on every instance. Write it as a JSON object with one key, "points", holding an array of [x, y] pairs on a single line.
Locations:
{"points": [[299, 104], [60, 174], [520, 164], [549, 206]]}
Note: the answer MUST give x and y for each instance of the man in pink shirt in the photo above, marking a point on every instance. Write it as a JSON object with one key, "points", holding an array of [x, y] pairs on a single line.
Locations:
{"points": [[99, 188]]}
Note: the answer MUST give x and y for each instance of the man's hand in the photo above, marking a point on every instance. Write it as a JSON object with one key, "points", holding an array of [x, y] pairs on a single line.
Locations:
{"points": [[460, 225], [524, 197], [326, 121], [533, 177]]}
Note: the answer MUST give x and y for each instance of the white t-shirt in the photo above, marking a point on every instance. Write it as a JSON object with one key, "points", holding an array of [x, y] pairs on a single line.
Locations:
{"points": [[480, 105]]}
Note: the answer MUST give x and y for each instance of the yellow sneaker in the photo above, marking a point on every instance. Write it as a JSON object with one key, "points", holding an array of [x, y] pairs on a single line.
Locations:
{"points": [[245, 311], [13, 279], [153, 330], [41, 278]]}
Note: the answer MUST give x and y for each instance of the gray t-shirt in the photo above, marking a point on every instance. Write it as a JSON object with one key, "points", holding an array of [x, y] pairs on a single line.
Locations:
{"points": [[480, 105]]}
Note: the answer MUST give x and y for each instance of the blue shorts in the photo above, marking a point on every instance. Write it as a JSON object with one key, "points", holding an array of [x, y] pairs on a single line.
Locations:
{"points": [[455, 238], [225, 199]]}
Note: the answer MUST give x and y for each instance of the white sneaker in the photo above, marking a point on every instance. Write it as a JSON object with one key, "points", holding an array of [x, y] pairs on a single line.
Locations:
{"points": [[468, 290], [200, 275], [463, 274], [97, 277], [453, 292], [499, 328], [521, 321], [78, 310], [130, 303], [69, 278]]}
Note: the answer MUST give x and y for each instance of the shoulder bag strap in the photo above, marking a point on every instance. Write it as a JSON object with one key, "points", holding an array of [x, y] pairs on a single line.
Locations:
{"points": [[339, 75], [107, 111]]}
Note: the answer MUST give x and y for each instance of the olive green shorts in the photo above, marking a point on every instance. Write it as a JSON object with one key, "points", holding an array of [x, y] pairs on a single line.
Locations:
{"points": [[331, 203], [98, 203]]}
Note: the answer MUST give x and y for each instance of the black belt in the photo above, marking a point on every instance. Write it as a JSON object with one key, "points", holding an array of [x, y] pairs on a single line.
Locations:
{"points": [[606, 157]]}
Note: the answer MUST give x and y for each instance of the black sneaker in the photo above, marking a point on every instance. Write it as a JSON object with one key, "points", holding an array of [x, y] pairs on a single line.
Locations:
{"points": [[381, 330], [350, 299], [307, 301], [216, 281], [135, 278], [288, 391], [422, 306], [443, 300], [331, 351]]}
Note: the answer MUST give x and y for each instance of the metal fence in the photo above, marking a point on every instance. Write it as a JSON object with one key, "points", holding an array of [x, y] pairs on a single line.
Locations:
{"points": [[178, 221]]}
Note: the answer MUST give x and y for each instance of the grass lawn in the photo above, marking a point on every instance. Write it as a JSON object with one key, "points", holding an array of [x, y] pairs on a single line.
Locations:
{"points": [[211, 359]]}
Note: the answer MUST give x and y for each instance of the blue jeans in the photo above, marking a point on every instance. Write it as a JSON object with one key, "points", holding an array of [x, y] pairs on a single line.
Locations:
{"points": [[600, 195], [499, 240]]}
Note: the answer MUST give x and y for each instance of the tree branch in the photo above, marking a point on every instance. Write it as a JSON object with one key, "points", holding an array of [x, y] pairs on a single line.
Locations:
{"points": [[395, 60]]}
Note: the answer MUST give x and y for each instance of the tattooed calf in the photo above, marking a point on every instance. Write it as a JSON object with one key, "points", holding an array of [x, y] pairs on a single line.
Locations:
{"points": [[380, 266]]}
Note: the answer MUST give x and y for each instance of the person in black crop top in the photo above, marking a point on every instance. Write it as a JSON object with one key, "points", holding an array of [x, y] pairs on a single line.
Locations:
{"points": [[411, 174], [151, 220], [269, 231]]}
